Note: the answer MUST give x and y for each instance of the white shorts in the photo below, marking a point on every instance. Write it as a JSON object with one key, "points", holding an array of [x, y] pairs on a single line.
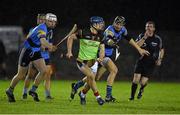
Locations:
{"points": [[94, 67]]}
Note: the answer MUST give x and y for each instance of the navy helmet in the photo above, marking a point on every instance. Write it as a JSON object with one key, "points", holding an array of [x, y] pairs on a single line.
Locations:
{"points": [[120, 19], [96, 19]]}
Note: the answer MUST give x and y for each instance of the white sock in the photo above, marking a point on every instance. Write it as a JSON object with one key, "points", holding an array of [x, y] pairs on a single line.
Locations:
{"points": [[97, 97], [83, 95]]}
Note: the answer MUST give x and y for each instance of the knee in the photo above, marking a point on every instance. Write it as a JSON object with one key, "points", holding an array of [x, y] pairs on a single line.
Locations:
{"points": [[44, 71], [20, 75], [92, 77], [136, 81], [114, 70]]}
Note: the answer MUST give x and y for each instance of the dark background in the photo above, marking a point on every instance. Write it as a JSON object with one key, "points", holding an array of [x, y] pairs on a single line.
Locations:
{"points": [[166, 15]]}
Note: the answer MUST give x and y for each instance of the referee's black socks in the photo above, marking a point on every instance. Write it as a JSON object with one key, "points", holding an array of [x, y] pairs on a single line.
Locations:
{"points": [[142, 88], [133, 89]]}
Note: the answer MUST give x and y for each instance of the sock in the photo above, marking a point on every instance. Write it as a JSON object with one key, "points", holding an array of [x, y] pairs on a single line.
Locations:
{"points": [[108, 91], [33, 89], [142, 88], [10, 90], [47, 93], [25, 90], [79, 84], [97, 95], [133, 89], [83, 95], [84, 91]]}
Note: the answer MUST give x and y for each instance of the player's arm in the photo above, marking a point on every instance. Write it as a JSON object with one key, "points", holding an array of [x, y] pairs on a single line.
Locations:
{"points": [[141, 39], [135, 45], [101, 52], [70, 40], [44, 42], [108, 38], [140, 50], [161, 54]]}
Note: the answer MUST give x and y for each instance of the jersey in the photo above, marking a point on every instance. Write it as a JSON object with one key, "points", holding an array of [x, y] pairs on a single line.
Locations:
{"points": [[34, 36], [153, 45], [45, 54], [89, 45], [116, 36]]}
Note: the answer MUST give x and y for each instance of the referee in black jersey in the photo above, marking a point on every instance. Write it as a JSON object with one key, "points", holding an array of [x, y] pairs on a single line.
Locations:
{"points": [[145, 64]]}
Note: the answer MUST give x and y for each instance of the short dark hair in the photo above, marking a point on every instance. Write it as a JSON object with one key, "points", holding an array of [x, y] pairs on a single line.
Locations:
{"points": [[151, 22]]}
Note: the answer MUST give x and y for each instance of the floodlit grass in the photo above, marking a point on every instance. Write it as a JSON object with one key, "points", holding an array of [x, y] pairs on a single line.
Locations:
{"points": [[161, 98]]}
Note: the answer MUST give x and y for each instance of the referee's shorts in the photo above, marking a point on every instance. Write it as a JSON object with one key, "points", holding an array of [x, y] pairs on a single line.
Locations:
{"points": [[144, 67]]}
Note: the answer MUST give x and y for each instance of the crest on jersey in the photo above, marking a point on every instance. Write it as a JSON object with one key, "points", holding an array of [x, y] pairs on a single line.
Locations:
{"points": [[154, 44]]}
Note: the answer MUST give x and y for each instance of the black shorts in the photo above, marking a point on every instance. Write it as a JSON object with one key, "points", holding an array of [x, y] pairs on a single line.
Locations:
{"points": [[145, 68], [27, 55]]}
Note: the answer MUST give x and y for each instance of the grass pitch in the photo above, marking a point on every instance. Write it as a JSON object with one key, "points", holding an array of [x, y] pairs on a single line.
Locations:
{"points": [[158, 98]]}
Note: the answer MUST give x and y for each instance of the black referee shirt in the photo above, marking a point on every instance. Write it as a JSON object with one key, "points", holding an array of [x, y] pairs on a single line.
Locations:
{"points": [[153, 45]]}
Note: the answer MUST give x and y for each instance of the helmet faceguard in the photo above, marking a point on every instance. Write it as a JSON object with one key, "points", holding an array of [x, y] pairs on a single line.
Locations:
{"points": [[120, 20], [96, 20]]}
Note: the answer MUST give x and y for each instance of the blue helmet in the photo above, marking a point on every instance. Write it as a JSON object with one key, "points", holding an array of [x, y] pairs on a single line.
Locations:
{"points": [[96, 19]]}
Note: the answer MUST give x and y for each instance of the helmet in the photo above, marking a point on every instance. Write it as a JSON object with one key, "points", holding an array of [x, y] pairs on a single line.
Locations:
{"points": [[119, 19], [96, 19], [51, 17]]}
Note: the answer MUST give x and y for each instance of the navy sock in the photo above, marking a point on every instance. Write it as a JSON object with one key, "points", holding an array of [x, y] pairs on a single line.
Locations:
{"points": [[33, 89], [25, 90], [108, 91], [10, 90], [79, 84], [47, 93]]}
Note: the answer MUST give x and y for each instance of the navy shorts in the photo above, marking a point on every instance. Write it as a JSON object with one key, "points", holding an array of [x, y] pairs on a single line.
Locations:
{"points": [[27, 55]]}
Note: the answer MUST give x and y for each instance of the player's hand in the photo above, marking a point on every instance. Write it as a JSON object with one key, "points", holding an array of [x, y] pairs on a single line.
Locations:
{"points": [[69, 55], [43, 48], [100, 60], [158, 62], [110, 42], [53, 48], [144, 52], [146, 35]]}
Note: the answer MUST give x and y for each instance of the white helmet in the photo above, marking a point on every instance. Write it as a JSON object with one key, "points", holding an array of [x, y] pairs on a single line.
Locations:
{"points": [[51, 17]]}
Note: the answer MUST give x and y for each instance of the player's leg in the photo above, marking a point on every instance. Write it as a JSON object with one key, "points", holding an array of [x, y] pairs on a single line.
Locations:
{"points": [[100, 72], [83, 92], [24, 61], [41, 67], [47, 82], [134, 85], [31, 73], [76, 86], [90, 80], [80, 83], [143, 82], [111, 67], [148, 71]]}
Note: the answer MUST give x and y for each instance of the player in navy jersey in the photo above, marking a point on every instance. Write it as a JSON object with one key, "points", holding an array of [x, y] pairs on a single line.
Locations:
{"points": [[112, 36], [33, 71], [145, 64], [31, 52]]}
